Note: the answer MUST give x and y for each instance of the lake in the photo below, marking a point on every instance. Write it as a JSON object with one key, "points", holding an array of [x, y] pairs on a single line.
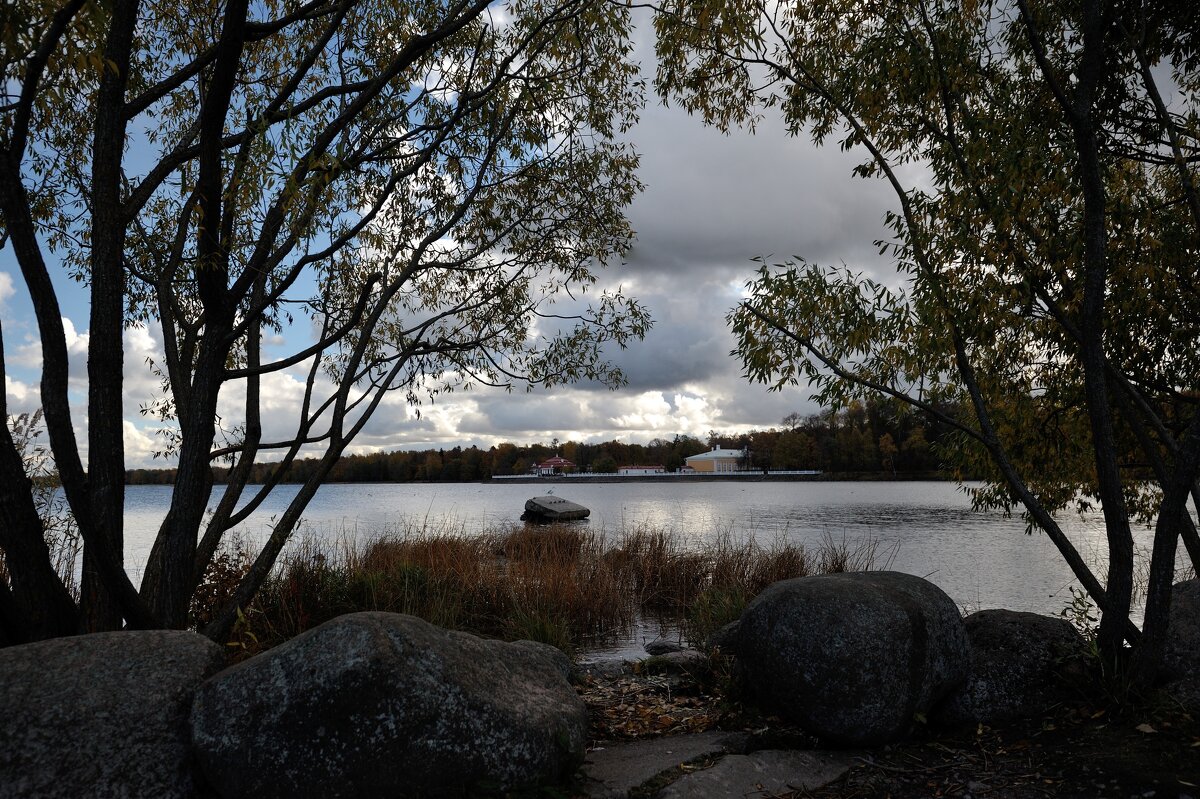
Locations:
{"points": [[982, 560]]}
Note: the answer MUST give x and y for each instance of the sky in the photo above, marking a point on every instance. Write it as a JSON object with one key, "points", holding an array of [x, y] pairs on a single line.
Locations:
{"points": [[712, 203]]}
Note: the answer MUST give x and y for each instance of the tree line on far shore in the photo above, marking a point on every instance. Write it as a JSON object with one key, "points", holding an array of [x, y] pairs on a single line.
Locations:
{"points": [[871, 437]]}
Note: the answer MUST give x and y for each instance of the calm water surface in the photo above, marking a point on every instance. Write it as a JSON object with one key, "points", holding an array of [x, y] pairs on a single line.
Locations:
{"points": [[982, 560]]}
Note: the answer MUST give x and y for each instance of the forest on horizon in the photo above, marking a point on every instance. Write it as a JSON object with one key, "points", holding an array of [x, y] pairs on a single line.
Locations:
{"points": [[871, 437]]}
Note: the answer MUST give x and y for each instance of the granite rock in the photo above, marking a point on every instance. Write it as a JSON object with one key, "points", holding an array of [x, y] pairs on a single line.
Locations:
{"points": [[102, 715]]}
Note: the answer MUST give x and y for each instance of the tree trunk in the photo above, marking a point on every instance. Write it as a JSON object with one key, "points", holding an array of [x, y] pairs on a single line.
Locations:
{"points": [[41, 605], [35, 604], [1173, 519], [167, 584], [14, 203], [1150, 651], [106, 413], [174, 554], [240, 474], [1092, 324]]}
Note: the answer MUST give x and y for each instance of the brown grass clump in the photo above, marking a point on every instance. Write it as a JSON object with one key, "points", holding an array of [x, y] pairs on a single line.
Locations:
{"points": [[568, 586]]}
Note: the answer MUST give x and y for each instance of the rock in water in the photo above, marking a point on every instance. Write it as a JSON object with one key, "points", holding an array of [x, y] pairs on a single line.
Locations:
{"points": [[1015, 662], [853, 657], [102, 715], [662, 646], [380, 704], [553, 509]]}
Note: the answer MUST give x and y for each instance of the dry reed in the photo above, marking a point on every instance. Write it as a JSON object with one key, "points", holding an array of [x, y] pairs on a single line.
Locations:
{"points": [[569, 586]]}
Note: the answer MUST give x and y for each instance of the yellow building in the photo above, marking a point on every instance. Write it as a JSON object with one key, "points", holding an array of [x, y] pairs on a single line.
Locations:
{"points": [[718, 460]]}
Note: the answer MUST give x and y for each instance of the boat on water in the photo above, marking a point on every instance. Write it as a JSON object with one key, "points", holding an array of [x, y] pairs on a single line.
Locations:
{"points": [[553, 509]]}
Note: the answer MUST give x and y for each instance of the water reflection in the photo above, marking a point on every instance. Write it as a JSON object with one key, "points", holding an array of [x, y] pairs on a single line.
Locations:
{"points": [[981, 559]]}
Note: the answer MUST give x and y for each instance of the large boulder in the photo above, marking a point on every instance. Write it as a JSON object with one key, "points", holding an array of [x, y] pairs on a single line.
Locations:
{"points": [[1182, 657], [1182, 694], [853, 658], [104, 715], [380, 704], [1016, 664]]}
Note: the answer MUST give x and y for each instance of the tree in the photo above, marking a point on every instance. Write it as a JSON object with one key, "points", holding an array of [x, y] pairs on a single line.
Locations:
{"points": [[796, 450], [888, 451], [1045, 252], [914, 452], [604, 465], [60, 539], [420, 182]]}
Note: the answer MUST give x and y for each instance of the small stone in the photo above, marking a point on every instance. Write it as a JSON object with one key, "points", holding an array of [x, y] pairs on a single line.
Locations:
{"points": [[662, 646], [601, 670], [723, 639], [685, 661]]}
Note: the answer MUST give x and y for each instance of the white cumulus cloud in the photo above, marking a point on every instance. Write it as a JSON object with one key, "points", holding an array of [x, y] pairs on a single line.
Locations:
{"points": [[6, 287]]}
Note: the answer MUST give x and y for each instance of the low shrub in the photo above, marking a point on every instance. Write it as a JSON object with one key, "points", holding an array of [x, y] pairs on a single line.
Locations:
{"points": [[224, 572]]}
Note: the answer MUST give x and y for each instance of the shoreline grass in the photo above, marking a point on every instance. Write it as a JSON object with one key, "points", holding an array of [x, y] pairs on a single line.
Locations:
{"points": [[573, 587]]}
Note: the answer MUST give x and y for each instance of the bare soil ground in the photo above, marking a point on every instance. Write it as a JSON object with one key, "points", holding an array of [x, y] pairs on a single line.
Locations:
{"points": [[1072, 753], [1078, 749]]}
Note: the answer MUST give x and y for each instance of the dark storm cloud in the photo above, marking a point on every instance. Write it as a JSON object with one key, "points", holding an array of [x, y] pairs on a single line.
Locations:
{"points": [[524, 413], [713, 202], [690, 340]]}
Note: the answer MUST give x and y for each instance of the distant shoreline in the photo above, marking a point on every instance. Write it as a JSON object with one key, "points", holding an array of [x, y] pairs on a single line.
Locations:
{"points": [[737, 477], [742, 477]]}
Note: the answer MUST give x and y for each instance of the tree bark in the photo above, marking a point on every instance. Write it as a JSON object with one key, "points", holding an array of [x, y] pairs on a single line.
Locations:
{"points": [[240, 474], [169, 573], [167, 585], [1092, 324], [106, 445], [1173, 519], [41, 606], [35, 604], [14, 204]]}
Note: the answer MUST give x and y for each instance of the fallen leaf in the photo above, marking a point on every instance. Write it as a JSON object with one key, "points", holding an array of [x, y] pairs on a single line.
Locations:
{"points": [[1145, 728]]}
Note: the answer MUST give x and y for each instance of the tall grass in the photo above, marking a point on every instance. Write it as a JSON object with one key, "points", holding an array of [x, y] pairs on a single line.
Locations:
{"points": [[567, 586]]}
